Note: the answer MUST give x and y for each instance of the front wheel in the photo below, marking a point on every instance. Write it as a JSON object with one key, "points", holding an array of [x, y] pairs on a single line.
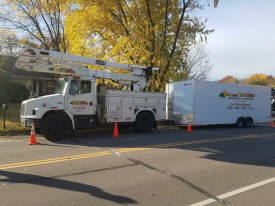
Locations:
{"points": [[55, 127], [144, 122]]}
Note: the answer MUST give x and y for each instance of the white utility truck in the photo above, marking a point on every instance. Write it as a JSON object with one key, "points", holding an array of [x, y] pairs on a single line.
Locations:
{"points": [[79, 103], [205, 103]]}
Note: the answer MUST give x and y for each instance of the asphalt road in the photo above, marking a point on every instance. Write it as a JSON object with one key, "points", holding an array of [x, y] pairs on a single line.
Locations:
{"points": [[218, 165]]}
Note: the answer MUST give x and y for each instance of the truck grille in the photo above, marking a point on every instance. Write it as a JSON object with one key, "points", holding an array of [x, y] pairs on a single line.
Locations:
{"points": [[22, 111]]}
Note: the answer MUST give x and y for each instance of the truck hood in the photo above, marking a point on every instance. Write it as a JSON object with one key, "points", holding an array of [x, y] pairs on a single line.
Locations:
{"points": [[49, 101]]}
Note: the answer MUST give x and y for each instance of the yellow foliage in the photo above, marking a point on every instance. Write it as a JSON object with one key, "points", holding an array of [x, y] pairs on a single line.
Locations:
{"points": [[131, 32], [148, 33]]}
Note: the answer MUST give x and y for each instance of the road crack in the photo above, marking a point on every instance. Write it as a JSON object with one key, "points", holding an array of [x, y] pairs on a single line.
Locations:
{"points": [[137, 162]]}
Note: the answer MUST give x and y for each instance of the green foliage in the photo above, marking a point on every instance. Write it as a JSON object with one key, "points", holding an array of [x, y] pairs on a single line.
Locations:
{"points": [[18, 92], [4, 88]]}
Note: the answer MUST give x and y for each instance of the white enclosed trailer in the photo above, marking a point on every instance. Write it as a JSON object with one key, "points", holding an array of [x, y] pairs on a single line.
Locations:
{"points": [[205, 102]]}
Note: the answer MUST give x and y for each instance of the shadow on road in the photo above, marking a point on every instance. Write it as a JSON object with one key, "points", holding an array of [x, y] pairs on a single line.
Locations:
{"points": [[239, 151], [54, 182]]}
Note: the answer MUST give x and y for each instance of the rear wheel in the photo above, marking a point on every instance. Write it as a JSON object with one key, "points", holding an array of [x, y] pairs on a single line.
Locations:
{"points": [[144, 122], [55, 127], [240, 122], [248, 122]]}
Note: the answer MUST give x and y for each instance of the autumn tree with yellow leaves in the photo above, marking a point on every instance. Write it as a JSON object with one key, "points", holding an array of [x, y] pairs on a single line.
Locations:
{"points": [[38, 23], [254, 79], [143, 32], [155, 33]]}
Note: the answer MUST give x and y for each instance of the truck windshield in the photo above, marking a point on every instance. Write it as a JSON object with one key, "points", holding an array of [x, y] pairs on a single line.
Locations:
{"points": [[60, 86]]}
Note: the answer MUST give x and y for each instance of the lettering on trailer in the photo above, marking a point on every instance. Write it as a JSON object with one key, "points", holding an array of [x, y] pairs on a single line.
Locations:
{"points": [[189, 84], [243, 96], [239, 100]]}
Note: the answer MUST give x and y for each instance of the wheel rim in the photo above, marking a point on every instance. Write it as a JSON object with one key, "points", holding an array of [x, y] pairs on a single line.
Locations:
{"points": [[145, 122], [240, 122], [248, 122], [55, 127]]}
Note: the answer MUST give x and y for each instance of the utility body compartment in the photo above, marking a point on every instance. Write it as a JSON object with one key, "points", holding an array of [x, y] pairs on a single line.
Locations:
{"points": [[123, 105], [205, 102]]}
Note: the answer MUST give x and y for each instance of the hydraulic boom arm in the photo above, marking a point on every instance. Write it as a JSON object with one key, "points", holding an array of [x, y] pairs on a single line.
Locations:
{"points": [[47, 61]]}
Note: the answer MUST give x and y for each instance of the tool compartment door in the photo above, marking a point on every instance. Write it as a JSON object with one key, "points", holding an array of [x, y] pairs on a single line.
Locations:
{"points": [[113, 109], [127, 114]]}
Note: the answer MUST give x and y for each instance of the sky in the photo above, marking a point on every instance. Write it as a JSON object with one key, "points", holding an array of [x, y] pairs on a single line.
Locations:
{"points": [[243, 42]]}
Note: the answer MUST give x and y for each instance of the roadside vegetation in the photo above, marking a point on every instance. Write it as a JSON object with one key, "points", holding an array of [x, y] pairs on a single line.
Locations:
{"points": [[12, 123]]}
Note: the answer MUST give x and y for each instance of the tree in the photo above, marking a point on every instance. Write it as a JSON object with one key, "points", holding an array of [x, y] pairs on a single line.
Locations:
{"points": [[257, 79], [194, 65], [4, 81], [270, 81], [150, 33], [9, 43], [39, 21], [230, 79]]}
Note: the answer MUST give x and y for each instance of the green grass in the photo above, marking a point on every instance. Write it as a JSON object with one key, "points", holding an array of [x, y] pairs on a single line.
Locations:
{"points": [[12, 123]]}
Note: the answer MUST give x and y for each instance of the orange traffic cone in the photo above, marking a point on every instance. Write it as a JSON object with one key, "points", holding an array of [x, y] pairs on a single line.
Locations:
{"points": [[271, 123], [33, 139], [189, 127], [116, 131]]}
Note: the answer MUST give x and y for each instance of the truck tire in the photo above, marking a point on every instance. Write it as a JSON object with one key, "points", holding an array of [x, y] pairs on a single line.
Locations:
{"points": [[248, 122], [55, 127], [144, 122], [240, 122]]}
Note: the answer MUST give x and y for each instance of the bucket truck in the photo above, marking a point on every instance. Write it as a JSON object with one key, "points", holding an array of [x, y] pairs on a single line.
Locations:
{"points": [[79, 102]]}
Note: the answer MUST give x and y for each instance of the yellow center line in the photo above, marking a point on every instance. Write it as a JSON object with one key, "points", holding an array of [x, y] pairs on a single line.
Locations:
{"points": [[68, 158]]}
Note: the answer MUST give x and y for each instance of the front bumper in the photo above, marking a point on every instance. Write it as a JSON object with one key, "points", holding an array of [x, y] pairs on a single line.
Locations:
{"points": [[28, 122]]}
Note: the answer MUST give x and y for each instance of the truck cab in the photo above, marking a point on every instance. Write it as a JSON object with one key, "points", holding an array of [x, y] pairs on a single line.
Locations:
{"points": [[74, 101]]}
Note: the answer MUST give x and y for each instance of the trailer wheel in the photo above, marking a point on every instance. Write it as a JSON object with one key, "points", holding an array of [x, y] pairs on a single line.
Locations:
{"points": [[144, 122], [240, 122], [55, 127], [248, 122]]}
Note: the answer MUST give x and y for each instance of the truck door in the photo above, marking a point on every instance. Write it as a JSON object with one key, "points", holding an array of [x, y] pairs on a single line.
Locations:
{"points": [[81, 98]]}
